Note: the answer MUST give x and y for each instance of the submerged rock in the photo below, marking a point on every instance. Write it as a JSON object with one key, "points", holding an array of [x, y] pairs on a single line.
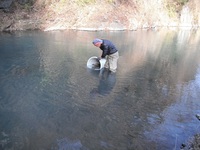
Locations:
{"points": [[192, 144], [198, 116]]}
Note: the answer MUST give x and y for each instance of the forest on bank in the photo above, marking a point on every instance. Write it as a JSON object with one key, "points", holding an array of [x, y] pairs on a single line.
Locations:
{"points": [[97, 14]]}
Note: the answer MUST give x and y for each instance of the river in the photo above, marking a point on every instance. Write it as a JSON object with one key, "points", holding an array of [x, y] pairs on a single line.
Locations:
{"points": [[50, 100]]}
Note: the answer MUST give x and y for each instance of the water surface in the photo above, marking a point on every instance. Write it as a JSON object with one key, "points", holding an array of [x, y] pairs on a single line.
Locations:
{"points": [[50, 100]]}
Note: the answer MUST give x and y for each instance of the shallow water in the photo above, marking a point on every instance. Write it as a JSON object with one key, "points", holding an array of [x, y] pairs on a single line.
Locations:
{"points": [[50, 100]]}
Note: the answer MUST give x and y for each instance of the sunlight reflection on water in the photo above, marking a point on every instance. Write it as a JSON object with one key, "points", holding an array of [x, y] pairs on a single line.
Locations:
{"points": [[179, 118]]}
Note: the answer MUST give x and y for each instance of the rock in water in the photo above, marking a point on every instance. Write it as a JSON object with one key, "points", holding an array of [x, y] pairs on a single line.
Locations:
{"points": [[198, 116]]}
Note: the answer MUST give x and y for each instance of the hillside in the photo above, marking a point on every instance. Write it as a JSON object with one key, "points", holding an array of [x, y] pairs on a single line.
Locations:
{"points": [[98, 14]]}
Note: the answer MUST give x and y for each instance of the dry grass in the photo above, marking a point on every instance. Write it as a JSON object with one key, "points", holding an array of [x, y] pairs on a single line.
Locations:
{"points": [[131, 14]]}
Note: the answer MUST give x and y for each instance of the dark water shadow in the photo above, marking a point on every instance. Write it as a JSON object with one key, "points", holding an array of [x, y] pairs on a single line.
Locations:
{"points": [[106, 79]]}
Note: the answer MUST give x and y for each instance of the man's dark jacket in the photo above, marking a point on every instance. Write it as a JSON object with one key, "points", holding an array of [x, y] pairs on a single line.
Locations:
{"points": [[108, 48]]}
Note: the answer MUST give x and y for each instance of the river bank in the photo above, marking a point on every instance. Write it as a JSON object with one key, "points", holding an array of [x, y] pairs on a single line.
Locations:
{"points": [[192, 144], [97, 16]]}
